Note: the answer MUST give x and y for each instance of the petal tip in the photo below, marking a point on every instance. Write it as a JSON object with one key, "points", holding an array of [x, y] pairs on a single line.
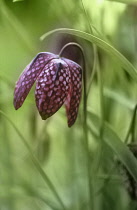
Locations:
{"points": [[16, 106], [44, 117], [70, 124]]}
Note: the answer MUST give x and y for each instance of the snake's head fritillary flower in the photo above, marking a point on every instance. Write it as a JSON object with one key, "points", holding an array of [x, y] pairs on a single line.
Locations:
{"points": [[58, 81]]}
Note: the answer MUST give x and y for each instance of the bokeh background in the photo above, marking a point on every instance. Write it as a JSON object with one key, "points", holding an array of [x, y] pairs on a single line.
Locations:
{"points": [[60, 150]]}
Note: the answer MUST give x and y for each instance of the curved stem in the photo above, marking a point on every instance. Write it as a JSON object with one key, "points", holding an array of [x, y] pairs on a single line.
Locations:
{"points": [[72, 44], [85, 127]]}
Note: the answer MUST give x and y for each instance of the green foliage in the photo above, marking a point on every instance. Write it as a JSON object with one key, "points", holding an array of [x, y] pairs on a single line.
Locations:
{"points": [[17, 0], [44, 164], [134, 2]]}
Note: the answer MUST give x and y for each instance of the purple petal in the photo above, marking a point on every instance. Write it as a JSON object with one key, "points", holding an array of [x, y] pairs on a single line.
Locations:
{"points": [[52, 87], [73, 99], [29, 76]]}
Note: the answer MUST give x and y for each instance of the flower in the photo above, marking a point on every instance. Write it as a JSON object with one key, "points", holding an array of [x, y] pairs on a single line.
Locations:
{"points": [[58, 81]]}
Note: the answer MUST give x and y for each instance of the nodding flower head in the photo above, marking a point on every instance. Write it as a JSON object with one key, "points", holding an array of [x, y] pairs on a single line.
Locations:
{"points": [[58, 81]]}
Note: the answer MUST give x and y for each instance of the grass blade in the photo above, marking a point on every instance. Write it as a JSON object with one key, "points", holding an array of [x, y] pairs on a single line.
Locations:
{"points": [[119, 98], [131, 2], [36, 162], [100, 43], [115, 143]]}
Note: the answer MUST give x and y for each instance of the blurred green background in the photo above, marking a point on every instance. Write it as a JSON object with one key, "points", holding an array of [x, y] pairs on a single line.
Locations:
{"points": [[59, 149]]}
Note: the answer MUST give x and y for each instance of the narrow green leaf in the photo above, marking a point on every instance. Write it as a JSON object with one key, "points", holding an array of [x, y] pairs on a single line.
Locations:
{"points": [[17, 0], [36, 162], [119, 98], [100, 43], [17, 26], [115, 144], [133, 2]]}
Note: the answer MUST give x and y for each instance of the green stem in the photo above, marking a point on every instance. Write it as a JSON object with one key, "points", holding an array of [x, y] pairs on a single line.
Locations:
{"points": [[8, 163], [100, 81], [72, 44], [85, 127], [132, 127], [94, 51], [93, 69], [36, 162], [96, 62]]}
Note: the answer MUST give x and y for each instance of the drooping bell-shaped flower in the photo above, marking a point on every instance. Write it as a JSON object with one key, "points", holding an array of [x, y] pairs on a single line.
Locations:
{"points": [[58, 81]]}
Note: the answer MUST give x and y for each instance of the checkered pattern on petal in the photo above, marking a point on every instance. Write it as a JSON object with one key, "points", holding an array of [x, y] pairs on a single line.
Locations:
{"points": [[73, 99], [52, 87], [29, 76]]}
